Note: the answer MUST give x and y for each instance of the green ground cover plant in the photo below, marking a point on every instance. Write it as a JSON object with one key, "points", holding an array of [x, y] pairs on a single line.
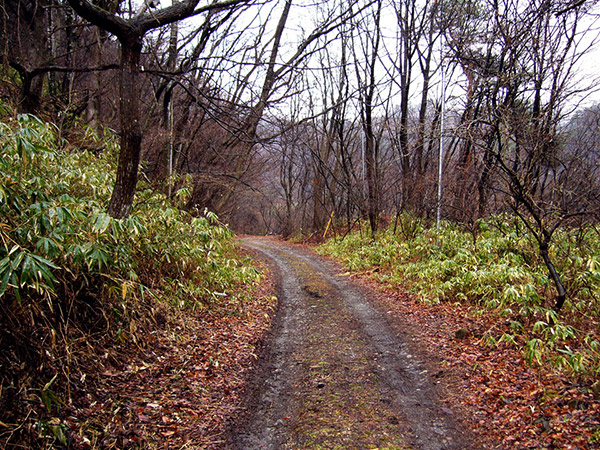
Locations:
{"points": [[498, 269], [76, 284]]}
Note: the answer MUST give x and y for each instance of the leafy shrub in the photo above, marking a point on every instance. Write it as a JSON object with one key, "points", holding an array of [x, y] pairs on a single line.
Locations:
{"points": [[55, 225], [500, 271], [73, 279]]}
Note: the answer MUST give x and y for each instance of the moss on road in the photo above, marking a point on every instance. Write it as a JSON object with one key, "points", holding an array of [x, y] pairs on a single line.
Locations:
{"points": [[335, 375]]}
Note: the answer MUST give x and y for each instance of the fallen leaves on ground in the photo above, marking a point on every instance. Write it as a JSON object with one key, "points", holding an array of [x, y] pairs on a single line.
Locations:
{"points": [[184, 386]]}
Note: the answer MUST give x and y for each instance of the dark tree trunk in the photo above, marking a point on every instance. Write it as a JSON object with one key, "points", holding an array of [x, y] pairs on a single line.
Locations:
{"points": [[407, 176], [31, 93], [372, 184], [370, 144], [554, 276], [319, 206], [131, 131], [483, 183]]}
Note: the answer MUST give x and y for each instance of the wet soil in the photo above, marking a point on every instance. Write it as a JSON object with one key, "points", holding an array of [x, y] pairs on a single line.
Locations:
{"points": [[335, 373]]}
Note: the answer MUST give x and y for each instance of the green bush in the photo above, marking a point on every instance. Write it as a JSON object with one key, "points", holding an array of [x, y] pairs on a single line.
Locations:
{"points": [[55, 228], [77, 285], [501, 271]]}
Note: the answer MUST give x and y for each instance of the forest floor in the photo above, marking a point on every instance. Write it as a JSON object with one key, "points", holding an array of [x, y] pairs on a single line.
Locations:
{"points": [[342, 363], [352, 364], [336, 373]]}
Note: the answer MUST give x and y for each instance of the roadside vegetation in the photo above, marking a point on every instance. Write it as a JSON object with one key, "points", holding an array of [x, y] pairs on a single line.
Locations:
{"points": [[482, 304], [496, 270], [83, 295]]}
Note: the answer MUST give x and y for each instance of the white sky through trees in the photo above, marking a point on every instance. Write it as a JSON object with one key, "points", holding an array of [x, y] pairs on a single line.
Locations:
{"points": [[305, 15]]}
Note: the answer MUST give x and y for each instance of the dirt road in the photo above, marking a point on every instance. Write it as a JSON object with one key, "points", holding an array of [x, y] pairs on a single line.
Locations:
{"points": [[335, 375]]}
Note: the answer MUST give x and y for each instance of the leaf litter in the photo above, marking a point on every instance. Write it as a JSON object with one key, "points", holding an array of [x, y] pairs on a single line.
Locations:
{"points": [[182, 387]]}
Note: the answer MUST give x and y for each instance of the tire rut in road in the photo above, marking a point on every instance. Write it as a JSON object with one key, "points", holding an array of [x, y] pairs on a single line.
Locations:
{"points": [[336, 375]]}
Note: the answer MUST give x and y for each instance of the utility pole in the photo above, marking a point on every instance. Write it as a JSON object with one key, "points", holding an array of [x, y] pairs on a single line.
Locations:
{"points": [[441, 152], [171, 65], [171, 149]]}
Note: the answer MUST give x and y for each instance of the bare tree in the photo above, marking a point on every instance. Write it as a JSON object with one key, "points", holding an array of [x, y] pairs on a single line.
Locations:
{"points": [[42, 41], [26, 46], [412, 66], [368, 87], [130, 33], [528, 71], [278, 82]]}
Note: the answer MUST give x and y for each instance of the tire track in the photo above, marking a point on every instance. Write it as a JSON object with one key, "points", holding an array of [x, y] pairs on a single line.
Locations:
{"points": [[335, 374]]}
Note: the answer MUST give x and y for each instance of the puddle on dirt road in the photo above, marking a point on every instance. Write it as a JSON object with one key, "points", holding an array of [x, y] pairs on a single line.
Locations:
{"points": [[334, 374]]}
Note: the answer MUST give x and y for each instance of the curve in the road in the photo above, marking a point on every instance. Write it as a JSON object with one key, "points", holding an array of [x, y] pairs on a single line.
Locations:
{"points": [[335, 374]]}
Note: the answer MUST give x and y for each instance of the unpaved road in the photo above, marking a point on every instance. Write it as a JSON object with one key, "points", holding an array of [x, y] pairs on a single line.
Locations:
{"points": [[335, 375]]}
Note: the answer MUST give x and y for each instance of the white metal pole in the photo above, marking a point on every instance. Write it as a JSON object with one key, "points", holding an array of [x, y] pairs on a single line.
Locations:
{"points": [[170, 112], [441, 153], [171, 148]]}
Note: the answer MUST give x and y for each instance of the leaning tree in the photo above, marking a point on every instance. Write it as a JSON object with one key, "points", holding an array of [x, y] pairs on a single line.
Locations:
{"points": [[130, 33]]}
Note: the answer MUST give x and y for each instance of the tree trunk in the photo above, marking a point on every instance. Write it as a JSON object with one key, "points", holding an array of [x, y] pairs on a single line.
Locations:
{"points": [[31, 93], [319, 205], [94, 104], [554, 276], [131, 131], [404, 155], [372, 182]]}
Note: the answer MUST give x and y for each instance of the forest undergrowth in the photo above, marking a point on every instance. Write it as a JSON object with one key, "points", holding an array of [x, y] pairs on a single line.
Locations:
{"points": [[89, 303], [484, 304]]}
